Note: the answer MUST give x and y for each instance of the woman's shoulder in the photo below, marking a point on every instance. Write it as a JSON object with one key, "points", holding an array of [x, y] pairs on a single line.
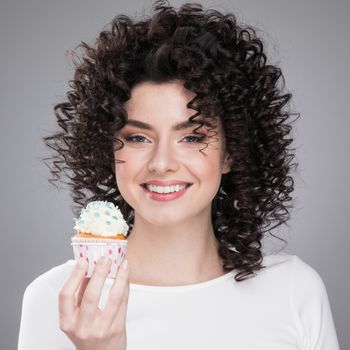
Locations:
{"points": [[292, 269], [53, 279]]}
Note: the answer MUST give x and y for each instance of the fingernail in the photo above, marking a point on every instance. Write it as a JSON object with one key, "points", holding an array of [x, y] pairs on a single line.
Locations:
{"points": [[125, 264]]}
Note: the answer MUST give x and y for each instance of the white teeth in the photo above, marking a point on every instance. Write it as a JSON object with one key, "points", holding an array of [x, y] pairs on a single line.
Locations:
{"points": [[165, 189]]}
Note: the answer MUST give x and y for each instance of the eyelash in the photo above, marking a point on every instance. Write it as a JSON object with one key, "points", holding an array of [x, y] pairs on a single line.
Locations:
{"points": [[133, 137]]}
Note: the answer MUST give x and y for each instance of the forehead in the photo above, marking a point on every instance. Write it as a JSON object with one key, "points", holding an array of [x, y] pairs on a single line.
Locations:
{"points": [[162, 103], [149, 96]]}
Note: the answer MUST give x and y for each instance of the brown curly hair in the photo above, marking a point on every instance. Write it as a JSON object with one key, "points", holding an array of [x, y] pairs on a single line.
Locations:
{"points": [[224, 64]]}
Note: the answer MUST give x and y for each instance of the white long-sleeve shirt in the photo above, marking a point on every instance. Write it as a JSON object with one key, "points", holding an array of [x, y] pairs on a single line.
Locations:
{"points": [[284, 307]]}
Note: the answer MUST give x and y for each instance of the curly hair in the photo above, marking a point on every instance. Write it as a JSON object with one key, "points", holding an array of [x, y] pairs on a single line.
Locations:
{"points": [[224, 64]]}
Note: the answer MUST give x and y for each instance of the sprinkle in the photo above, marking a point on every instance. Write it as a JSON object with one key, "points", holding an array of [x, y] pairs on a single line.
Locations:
{"points": [[114, 217], [108, 222], [107, 212], [97, 214]]}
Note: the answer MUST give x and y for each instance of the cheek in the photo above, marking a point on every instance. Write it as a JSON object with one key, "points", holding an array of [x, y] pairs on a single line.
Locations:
{"points": [[208, 173], [124, 175], [208, 166], [125, 171]]}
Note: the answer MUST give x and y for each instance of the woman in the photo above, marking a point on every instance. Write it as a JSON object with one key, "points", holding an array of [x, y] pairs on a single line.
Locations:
{"points": [[183, 102]]}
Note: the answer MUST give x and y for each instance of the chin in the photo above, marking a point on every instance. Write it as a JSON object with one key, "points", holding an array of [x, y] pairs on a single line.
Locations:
{"points": [[162, 219]]}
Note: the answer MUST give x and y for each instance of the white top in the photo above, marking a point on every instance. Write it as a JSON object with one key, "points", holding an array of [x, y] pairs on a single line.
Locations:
{"points": [[284, 307]]}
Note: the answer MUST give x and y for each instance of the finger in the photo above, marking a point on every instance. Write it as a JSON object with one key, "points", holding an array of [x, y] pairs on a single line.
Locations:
{"points": [[81, 291], [67, 299], [92, 294], [117, 299], [119, 322]]}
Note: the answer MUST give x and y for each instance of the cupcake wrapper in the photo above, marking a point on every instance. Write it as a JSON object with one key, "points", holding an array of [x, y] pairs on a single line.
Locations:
{"points": [[93, 249]]}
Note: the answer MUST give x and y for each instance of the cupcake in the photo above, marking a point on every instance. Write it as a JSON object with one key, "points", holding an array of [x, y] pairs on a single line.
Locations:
{"points": [[100, 230]]}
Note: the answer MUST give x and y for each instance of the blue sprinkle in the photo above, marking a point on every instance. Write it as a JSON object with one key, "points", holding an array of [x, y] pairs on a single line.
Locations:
{"points": [[107, 212], [114, 217], [108, 222], [97, 214]]}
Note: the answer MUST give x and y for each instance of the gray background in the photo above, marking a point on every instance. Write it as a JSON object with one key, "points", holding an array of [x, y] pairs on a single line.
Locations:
{"points": [[308, 39]]}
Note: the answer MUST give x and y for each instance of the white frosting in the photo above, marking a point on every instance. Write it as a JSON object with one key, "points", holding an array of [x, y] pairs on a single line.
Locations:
{"points": [[101, 218]]}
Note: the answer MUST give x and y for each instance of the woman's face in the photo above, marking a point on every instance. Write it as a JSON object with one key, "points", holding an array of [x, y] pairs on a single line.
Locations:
{"points": [[157, 152]]}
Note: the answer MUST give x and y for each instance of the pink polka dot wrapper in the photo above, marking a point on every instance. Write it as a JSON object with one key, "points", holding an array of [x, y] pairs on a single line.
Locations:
{"points": [[92, 249]]}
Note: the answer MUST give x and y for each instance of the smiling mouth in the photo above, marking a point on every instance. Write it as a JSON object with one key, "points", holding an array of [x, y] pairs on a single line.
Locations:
{"points": [[178, 188], [163, 197]]}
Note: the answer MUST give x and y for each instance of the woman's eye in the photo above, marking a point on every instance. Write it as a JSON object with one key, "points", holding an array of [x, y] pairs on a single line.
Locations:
{"points": [[142, 139], [195, 138], [135, 139]]}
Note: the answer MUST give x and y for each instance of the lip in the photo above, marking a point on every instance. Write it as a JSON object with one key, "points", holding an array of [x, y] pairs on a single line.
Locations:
{"points": [[162, 197]]}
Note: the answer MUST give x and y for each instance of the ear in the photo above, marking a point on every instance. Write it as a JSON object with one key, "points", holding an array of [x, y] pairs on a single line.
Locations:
{"points": [[226, 164]]}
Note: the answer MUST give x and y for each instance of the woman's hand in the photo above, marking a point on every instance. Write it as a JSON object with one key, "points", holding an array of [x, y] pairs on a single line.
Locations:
{"points": [[89, 327]]}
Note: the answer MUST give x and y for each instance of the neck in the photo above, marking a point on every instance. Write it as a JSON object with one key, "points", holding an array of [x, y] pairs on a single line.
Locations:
{"points": [[185, 254]]}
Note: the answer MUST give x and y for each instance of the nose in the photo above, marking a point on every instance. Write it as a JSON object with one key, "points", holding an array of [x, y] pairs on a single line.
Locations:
{"points": [[163, 158]]}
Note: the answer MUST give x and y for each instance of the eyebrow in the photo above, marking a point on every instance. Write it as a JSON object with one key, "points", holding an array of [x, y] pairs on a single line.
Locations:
{"points": [[180, 126]]}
